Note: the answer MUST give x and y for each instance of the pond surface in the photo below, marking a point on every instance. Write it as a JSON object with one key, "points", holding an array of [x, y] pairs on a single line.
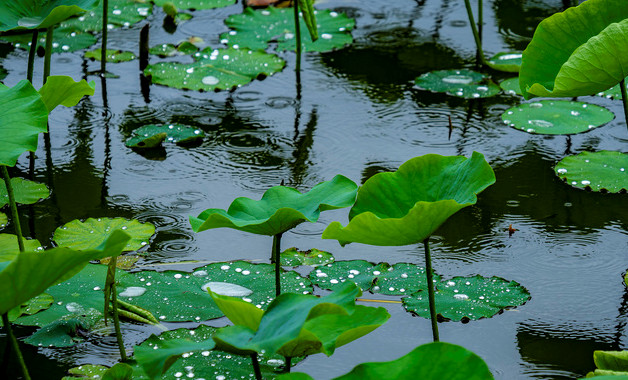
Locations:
{"points": [[357, 114]]}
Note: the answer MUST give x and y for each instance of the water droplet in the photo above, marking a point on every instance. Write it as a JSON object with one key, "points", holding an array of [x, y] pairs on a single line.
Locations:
{"points": [[225, 267], [621, 169], [461, 296], [404, 275], [210, 80], [561, 171], [116, 12], [74, 307], [321, 274], [266, 13], [246, 272], [178, 275], [200, 273], [458, 79], [391, 289], [354, 271], [536, 105], [585, 182], [450, 283], [96, 287], [274, 362], [575, 113], [227, 289], [481, 297], [189, 71], [326, 36], [376, 273], [333, 281], [289, 36], [333, 14], [541, 123], [133, 291]]}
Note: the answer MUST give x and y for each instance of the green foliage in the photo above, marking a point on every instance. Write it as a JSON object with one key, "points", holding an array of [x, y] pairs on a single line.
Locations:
{"points": [[25, 191], [280, 209], [92, 232], [306, 8], [610, 364], [155, 362], [407, 206], [461, 83], [120, 13], [195, 4], [506, 61], [603, 171], [63, 90], [9, 248], [113, 56], [152, 135], [36, 14], [292, 257]]}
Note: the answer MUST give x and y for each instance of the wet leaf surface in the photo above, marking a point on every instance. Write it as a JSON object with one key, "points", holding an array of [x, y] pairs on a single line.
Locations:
{"points": [[605, 171], [461, 83], [25, 191], [292, 257], [92, 232]]}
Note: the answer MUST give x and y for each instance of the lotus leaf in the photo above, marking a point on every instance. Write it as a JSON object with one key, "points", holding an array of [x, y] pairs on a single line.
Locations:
{"points": [[613, 92], [556, 117], [30, 273], [292, 257], [398, 279], [65, 40], [280, 209], [469, 298], [64, 333], [9, 248], [23, 116], [86, 371], [220, 69], [509, 62], [157, 361], [146, 142], [121, 13], [598, 171], [462, 83], [112, 55], [432, 361], [254, 29], [159, 292], [36, 14], [63, 90], [119, 371], [4, 220], [511, 86], [577, 52], [407, 206], [169, 50], [92, 232], [196, 4], [34, 305], [25, 191], [175, 133], [613, 364]]}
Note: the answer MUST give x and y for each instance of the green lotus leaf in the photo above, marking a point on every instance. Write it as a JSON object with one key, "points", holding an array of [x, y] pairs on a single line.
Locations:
{"points": [[65, 40], [146, 142], [208, 364], [280, 209], [613, 92], [37, 14], [292, 257], [112, 55], [220, 69], [175, 133], [407, 206], [92, 232], [432, 361], [4, 220], [196, 4], [398, 279], [62, 333], [121, 13], [254, 29], [577, 52], [157, 361], [30, 273], [294, 376], [461, 83], [506, 61], [604, 171], [610, 364], [23, 116], [26, 192], [556, 117], [170, 50], [86, 371], [511, 86], [469, 298], [119, 371], [63, 90], [9, 248], [34, 305]]}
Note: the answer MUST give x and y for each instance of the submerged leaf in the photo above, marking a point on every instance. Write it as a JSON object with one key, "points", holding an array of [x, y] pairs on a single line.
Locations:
{"points": [[605, 171], [511, 86], [63, 333], [92, 232]]}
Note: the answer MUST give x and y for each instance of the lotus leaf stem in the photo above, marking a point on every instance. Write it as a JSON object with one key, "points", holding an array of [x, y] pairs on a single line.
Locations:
{"points": [[430, 288], [103, 52], [110, 287], [31, 56], [276, 258], [297, 33], [476, 35], [14, 215], [256, 369], [288, 364], [49, 38], [624, 99], [132, 316], [16, 348]]}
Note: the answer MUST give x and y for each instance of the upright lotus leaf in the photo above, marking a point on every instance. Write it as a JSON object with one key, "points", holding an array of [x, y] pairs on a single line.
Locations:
{"points": [[122, 13], [469, 298], [461, 83], [280, 209], [580, 51], [63, 90], [407, 206], [155, 362], [195, 4], [23, 116], [219, 69], [604, 171], [37, 14], [613, 364], [92, 232], [254, 29], [432, 361], [26, 192], [30, 273]]}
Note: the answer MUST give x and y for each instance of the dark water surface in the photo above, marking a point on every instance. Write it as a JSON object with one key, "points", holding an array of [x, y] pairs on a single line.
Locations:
{"points": [[359, 114]]}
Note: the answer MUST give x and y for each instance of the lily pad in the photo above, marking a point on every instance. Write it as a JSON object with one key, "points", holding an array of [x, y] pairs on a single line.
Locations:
{"points": [[196, 4], [35, 14], [506, 61], [86, 371], [4, 220], [469, 298], [34, 305], [613, 92], [556, 117], [407, 206], [254, 29], [146, 142], [604, 171], [64, 333], [122, 13], [462, 83], [92, 232], [157, 358], [280, 209], [398, 279], [26, 192], [9, 248], [112, 55], [175, 133], [64, 40], [292, 257], [511, 86], [610, 363], [170, 50], [216, 69]]}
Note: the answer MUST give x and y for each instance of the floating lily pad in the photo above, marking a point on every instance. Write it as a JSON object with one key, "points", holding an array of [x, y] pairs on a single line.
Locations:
{"points": [[469, 298], [196, 4], [398, 279], [64, 333], [86, 371], [35, 14], [64, 40], [9, 247], [556, 117], [175, 133], [146, 142], [34, 305], [605, 171], [112, 55], [254, 29], [170, 50], [511, 86], [506, 61], [216, 69], [613, 92], [4, 220], [462, 83], [25, 191], [92, 232], [292, 257], [122, 13]]}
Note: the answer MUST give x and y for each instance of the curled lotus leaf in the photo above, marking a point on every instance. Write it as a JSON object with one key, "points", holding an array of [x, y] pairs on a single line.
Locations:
{"points": [[93, 231], [604, 171], [577, 52], [36, 14], [506, 61], [280, 209], [407, 206]]}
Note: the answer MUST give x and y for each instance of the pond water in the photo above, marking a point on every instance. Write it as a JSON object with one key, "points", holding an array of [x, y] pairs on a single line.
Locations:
{"points": [[357, 113]]}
